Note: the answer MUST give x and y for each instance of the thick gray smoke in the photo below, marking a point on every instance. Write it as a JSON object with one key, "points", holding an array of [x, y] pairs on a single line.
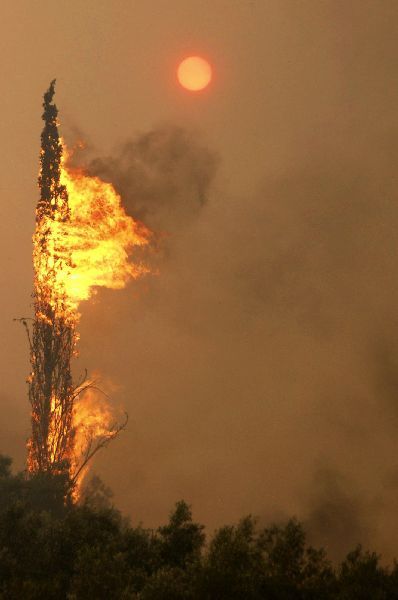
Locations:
{"points": [[164, 176]]}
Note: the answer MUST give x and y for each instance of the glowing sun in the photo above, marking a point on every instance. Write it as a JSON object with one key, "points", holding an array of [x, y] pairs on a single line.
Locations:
{"points": [[194, 73]]}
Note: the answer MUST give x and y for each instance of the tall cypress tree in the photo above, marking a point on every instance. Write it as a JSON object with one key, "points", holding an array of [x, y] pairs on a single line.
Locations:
{"points": [[53, 334], [52, 338]]}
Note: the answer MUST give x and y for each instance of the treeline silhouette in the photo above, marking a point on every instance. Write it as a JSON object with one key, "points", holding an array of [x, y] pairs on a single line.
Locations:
{"points": [[51, 548]]}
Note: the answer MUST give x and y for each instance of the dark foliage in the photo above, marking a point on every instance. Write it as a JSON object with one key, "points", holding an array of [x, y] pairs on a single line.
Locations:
{"points": [[53, 550], [50, 156]]}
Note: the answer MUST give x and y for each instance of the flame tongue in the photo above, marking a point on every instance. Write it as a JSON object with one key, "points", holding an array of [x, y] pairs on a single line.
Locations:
{"points": [[91, 245], [100, 236]]}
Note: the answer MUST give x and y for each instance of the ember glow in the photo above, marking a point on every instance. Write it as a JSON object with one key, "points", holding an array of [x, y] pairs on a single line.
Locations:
{"points": [[83, 240]]}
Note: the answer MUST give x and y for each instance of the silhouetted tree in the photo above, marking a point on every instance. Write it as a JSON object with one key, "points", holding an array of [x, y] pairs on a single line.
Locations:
{"points": [[233, 566], [181, 540], [362, 577]]}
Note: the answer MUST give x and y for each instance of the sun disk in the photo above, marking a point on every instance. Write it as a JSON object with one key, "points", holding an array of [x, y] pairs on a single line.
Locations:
{"points": [[194, 73]]}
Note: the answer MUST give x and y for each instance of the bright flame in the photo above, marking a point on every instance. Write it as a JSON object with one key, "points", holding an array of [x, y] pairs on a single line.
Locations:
{"points": [[94, 421], [92, 418], [91, 248], [85, 243]]}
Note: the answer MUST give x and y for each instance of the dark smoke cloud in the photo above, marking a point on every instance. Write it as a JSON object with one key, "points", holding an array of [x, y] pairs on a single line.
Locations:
{"points": [[164, 176]]}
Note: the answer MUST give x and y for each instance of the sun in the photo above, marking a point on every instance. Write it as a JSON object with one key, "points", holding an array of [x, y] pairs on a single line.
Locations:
{"points": [[194, 73]]}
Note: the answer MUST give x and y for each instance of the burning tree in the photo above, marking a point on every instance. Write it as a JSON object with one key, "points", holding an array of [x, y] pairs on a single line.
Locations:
{"points": [[53, 339], [83, 239]]}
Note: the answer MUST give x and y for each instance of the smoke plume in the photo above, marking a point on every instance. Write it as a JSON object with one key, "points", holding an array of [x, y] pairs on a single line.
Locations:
{"points": [[265, 344], [163, 176]]}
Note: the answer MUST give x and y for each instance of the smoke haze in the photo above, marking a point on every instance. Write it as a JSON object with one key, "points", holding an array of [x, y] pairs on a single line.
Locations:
{"points": [[259, 366], [265, 345]]}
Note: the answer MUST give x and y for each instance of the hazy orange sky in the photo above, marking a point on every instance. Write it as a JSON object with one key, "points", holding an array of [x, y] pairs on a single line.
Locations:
{"points": [[260, 367]]}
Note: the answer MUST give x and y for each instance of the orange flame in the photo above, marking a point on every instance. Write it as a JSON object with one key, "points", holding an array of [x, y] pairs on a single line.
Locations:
{"points": [[88, 244], [92, 248], [94, 421]]}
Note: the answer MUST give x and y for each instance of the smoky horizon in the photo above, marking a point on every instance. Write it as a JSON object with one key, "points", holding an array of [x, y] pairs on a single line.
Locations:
{"points": [[258, 361]]}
